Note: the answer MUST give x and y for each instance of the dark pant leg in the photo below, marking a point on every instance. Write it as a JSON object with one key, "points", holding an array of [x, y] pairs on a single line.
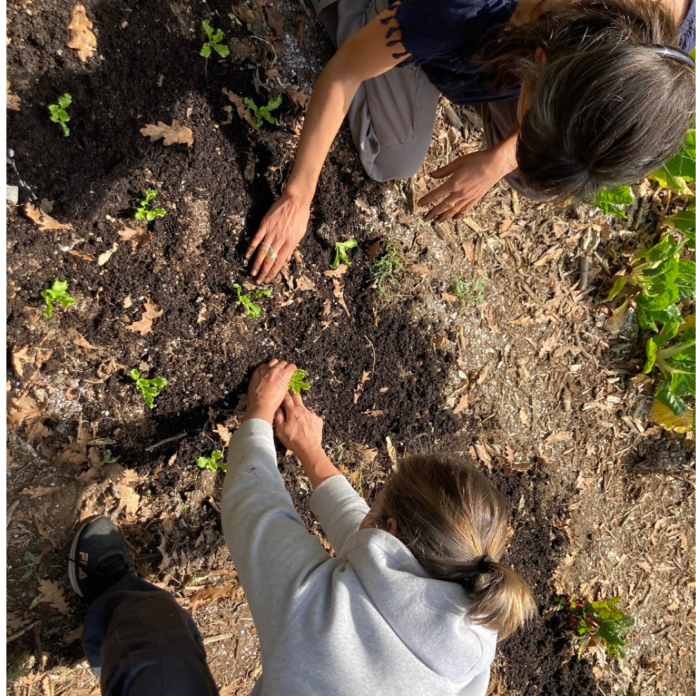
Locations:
{"points": [[140, 642]]}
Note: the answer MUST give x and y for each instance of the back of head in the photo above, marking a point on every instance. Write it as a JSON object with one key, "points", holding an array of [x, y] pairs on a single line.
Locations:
{"points": [[605, 109], [454, 522]]}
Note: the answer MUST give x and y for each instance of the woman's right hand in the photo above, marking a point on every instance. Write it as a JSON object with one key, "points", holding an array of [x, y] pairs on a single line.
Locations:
{"points": [[298, 428], [281, 230]]}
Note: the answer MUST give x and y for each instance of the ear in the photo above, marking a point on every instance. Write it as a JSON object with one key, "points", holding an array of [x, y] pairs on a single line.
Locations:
{"points": [[391, 526], [540, 55]]}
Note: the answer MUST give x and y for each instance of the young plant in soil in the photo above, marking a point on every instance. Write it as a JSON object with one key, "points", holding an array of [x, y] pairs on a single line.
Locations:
{"points": [[470, 291], [296, 384], [253, 310], [263, 113], [150, 388], [57, 293], [59, 114], [213, 42], [145, 211], [597, 623], [383, 269], [31, 564], [342, 252], [213, 462], [675, 358]]}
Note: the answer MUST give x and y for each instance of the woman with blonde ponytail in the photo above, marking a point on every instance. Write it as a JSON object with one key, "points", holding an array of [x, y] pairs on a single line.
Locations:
{"points": [[415, 598]]}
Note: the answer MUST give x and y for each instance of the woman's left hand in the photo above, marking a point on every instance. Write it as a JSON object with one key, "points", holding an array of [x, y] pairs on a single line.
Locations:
{"points": [[267, 389], [471, 177]]}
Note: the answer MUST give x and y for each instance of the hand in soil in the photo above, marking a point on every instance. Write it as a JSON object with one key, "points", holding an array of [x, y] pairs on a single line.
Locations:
{"points": [[280, 231], [268, 387], [472, 176]]}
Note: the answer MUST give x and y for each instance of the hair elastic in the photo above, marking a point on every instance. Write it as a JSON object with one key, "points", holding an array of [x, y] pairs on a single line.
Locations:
{"points": [[672, 52], [484, 565]]}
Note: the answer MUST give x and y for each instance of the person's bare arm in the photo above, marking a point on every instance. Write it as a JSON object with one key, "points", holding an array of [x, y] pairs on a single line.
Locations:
{"points": [[363, 56]]}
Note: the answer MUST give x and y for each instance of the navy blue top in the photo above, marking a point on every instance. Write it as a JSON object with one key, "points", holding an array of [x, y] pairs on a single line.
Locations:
{"points": [[443, 35]]}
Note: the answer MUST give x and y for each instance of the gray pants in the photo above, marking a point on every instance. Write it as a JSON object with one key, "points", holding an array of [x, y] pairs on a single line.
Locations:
{"points": [[392, 115]]}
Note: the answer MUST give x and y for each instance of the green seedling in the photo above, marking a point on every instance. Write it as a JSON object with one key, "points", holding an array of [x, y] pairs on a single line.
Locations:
{"points": [[30, 565], [296, 384], [597, 623], [213, 462], [383, 269], [107, 458], [58, 292], [59, 114], [262, 113], [469, 290], [252, 309], [342, 252], [145, 211], [150, 388], [675, 358], [213, 42]]}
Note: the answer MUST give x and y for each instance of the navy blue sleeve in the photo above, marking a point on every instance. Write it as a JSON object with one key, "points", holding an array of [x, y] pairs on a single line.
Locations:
{"points": [[686, 30]]}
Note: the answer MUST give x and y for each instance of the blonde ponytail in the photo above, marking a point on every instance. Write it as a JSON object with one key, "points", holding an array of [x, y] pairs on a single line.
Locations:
{"points": [[455, 523]]}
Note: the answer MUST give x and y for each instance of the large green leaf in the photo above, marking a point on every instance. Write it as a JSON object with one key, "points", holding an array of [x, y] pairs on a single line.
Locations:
{"points": [[686, 280], [679, 170], [609, 200], [665, 396]]}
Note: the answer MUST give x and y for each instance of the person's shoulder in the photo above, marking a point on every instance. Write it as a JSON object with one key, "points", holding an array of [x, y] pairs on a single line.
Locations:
{"points": [[687, 31]]}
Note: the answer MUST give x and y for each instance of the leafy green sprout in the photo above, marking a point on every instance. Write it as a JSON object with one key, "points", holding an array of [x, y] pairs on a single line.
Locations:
{"points": [[469, 290], [262, 113], [213, 462], [675, 358], [150, 388], [213, 42], [57, 293], [342, 252], [107, 458], [145, 211], [597, 623], [383, 269], [59, 114], [609, 201], [30, 565], [297, 384], [253, 311]]}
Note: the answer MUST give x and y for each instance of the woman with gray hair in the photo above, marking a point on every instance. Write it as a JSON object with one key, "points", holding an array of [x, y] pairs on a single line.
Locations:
{"points": [[574, 95]]}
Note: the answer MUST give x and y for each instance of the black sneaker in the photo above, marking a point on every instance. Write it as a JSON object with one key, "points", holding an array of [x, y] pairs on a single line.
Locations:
{"points": [[98, 558]]}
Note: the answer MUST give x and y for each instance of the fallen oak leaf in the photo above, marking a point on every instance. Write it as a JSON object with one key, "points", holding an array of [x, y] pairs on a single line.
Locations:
{"points": [[144, 326], [43, 220], [208, 594], [338, 294], [224, 433], [52, 594], [23, 408], [82, 39], [39, 491], [13, 101], [19, 357], [138, 237], [103, 258], [367, 453], [298, 96], [82, 255], [361, 383], [303, 283], [560, 436], [418, 268], [82, 342], [242, 109], [173, 135], [275, 20], [462, 404], [108, 367], [337, 272]]}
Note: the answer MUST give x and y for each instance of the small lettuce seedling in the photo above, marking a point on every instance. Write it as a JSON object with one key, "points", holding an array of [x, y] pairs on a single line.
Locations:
{"points": [[262, 113], [145, 211], [342, 252], [597, 623], [31, 563], [213, 462], [252, 309], [296, 384], [384, 268], [469, 290], [213, 42], [59, 114], [150, 388], [58, 292]]}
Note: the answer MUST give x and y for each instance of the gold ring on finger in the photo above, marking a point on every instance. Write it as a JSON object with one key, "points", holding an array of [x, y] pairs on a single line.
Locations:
{"points": [[450, 205]]}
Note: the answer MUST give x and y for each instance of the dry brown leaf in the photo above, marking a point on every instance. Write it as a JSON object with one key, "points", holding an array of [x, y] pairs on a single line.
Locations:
{"points": [[242, 109], [373, 414], [522, 321], [560, 436], [166, 558], [224, 433], [108, 367], [173, 135], [82, 40], [336, 272], [482, 453], [81, 341], [469, 250], [462, 404], [19, 357], [298, 96], [138, 237], [419, 269], [43, 220], [24, 408], [75, 452], [449, 298], [548, 256], [368, 454], [361, 383], [129, 500], [276, 21], [375, 249], [304, 284], [81, 255], [144, 326], [74, 635], [524, 418], [52, 593], [208, 594], [338, 294], [103, 258], [13, 101], [39, 491]]}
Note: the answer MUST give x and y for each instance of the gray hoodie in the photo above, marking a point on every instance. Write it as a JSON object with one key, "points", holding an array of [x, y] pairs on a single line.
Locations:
{"points": [[369, 621]]}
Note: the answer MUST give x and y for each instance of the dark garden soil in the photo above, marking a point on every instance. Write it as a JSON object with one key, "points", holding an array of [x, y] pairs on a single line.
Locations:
{"points": [[74, 401]]}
